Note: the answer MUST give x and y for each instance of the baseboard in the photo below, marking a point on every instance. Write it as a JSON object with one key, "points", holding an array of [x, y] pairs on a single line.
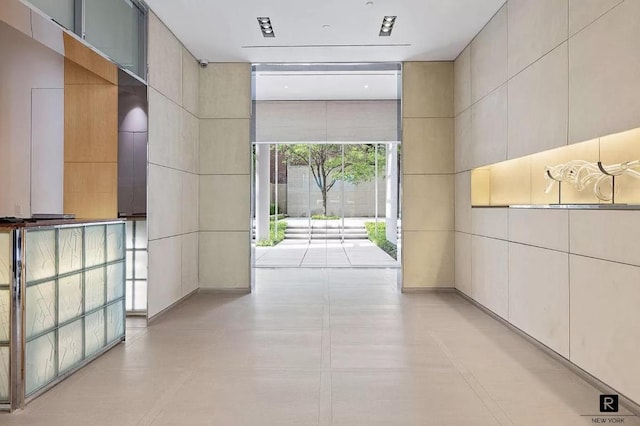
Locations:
{"points": [[428, 289], [170, 307], [224, 290], [626, 402]]}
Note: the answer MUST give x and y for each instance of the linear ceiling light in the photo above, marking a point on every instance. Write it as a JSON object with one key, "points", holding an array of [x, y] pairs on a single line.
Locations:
{"points": [[387, 26], [265, 26]]}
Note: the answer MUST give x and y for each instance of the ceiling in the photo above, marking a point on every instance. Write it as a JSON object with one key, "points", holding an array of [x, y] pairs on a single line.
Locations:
{"points": [[227, 30]]}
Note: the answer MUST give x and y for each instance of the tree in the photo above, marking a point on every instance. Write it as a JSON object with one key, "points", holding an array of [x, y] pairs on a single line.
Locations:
{"points": [[325, 163]]}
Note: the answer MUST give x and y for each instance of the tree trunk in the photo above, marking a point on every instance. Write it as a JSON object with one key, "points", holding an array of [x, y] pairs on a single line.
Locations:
{"points": [[324, 200]]}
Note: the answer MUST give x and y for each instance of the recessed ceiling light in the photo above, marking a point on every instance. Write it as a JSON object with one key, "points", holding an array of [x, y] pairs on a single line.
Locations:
{"points": [[387, 26], [366, 86], [369, 3], [286, 87], [266, 27], [326, 26]]}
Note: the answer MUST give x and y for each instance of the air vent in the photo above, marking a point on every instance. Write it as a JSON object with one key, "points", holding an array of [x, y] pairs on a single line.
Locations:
{"points": [[265, 26], [387, 26]]}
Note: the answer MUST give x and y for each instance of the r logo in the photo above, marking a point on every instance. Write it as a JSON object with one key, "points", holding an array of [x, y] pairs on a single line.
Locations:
{"points": [[608, 403]]}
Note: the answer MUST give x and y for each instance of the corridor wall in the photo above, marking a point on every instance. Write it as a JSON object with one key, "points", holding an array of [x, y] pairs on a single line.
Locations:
{"points": [[225, 180], [173, 169], [427, 175], [542, 75]]}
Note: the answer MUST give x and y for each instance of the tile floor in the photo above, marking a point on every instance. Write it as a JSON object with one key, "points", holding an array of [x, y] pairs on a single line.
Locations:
{"points": [[320, 347], [323, 253]]}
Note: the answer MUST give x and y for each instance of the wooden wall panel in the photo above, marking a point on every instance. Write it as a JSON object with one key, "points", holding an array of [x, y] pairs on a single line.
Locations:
{"points": [[90, 133], [82, 55], [90, 191], [91, 123]]}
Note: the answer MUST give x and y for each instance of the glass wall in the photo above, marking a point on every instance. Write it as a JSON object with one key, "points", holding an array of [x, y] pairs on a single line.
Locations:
{"points": [[326, 193], [61, 11], [114, 27]]}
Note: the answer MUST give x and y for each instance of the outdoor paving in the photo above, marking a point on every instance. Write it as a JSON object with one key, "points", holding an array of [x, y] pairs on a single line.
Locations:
{"points": [[323, 253]]}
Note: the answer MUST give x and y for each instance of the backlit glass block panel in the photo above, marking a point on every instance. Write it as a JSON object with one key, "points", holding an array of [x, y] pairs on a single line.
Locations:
{"points": [[93, 289], [5, 319], [129, 236], [115, 321], [69, 345], [70, 298], [70, 244], [5, 259], [40, 366], [40, 254], [141, 234], [115, 281], [115, 242], [40, 312], [94, 333], [4, 373], [129, 295], [140, 299], [129, 265], [94, 241], [141, 265]]}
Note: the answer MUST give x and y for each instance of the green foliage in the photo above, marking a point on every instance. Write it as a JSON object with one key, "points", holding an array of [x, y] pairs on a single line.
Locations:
{"points": [[324, 217], [378, 235], [326, 163], [272, 209], [273, 238]]}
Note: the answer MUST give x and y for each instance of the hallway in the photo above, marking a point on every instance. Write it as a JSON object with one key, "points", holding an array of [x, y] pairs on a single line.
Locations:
{"points": [[320, 347]]}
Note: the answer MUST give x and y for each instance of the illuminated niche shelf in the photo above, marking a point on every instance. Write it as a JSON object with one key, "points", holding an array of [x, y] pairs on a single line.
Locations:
{"points": [[525, 182]]}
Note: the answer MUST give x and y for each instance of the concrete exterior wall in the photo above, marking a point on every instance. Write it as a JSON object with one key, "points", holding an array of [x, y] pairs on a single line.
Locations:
{"points": [[359, 200]]}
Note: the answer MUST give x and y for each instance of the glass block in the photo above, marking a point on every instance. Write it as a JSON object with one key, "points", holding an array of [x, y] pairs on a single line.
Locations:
{"points": [[70, 297], [129, 295], [5, 318], [115, 242], [94, 333], [70, 250], [94, 245], [40, 254], [4, 373], [140, 297], [141, 265], [69, 345], [40, 311], [129, 265], [5, 258], [40, 355], [141, 234], [115, 322], [115, 281], [129, 236], [93, 289]]}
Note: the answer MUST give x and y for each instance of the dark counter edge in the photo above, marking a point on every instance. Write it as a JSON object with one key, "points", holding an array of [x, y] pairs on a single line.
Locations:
{"points": [[58, 222], [565, 206]]}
